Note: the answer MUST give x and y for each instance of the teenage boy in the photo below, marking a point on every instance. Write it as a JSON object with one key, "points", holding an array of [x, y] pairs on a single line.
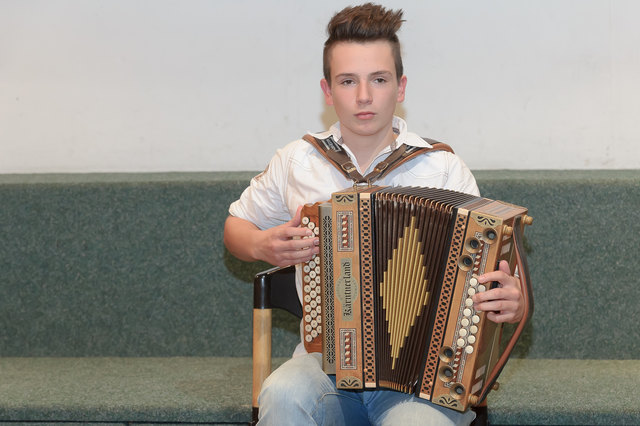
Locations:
{"points": [[363, 81]]}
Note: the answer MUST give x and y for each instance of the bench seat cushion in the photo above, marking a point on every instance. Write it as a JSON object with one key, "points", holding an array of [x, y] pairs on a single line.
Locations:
{"points": [[567, 392], [218, 390]]}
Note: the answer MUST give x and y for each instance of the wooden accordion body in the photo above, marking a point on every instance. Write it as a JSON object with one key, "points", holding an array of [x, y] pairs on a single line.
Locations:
{"points": [[388, 300]]}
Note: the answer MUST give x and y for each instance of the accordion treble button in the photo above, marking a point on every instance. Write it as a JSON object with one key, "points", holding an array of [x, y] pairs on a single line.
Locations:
{"points": [[471, 340], [469, 350], [473, 281]]}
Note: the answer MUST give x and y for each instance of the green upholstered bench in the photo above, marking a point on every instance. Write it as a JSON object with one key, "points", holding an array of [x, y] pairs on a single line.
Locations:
{"points": [[119, 303]]}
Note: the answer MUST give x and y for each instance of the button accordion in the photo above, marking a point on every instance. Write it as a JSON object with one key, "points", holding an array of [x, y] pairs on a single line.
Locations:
{"points": [[388, 299]]}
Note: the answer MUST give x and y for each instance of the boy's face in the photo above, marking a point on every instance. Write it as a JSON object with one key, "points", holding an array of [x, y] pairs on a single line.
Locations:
{"points": [[364, 88]]}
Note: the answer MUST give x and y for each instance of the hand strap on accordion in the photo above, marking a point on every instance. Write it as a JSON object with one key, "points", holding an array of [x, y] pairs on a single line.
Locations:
{"points": [[527, 295], [337, 156]]}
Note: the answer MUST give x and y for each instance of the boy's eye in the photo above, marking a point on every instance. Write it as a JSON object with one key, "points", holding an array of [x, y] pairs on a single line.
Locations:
{"points": [[380, 80], [347, 82]]}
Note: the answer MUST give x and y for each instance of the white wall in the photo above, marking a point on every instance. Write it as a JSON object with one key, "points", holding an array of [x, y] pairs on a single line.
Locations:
{"points": [[205, 85]]}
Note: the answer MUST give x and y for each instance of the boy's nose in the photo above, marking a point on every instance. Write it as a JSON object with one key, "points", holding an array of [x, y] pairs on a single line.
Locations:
{"points": [[364, 94]]}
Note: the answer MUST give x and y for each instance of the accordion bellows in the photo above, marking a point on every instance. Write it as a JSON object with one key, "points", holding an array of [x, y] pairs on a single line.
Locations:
{"points": [[388, 299]]}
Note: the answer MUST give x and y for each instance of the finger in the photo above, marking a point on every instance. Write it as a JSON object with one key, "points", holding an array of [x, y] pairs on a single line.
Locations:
{"points": [[299, 256], [499, 317], [504, 267], [297, 218]]}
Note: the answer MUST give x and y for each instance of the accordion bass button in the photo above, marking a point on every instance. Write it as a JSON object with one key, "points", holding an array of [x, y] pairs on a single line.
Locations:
{"points": [[305, 221]]}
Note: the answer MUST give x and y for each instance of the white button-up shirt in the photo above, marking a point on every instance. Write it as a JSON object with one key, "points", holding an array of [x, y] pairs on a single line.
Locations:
{"points": [[299, 174]]}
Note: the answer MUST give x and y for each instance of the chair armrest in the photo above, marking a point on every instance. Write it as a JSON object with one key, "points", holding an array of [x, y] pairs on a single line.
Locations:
{"points": [[276, 288]]}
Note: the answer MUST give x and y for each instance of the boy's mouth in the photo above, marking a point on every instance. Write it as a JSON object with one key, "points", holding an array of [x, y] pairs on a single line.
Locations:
{"points": [[365, 115]]}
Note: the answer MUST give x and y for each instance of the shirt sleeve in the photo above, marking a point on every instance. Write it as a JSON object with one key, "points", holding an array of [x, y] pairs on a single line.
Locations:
{"points": [[262, 202], [459, 177]]}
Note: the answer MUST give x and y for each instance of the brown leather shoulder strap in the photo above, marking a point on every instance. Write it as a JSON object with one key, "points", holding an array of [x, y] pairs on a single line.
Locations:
{"points": [[337, 156]]}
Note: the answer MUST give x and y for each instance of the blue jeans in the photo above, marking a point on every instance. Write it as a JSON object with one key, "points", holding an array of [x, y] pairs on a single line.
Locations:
{"points": [[299, 393]]}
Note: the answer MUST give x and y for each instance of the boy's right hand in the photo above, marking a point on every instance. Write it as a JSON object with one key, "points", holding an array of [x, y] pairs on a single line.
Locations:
{"points": [[284, 245]]}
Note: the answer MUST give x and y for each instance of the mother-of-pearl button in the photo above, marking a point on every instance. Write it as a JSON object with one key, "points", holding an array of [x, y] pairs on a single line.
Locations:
{"points": [[473, 281]]}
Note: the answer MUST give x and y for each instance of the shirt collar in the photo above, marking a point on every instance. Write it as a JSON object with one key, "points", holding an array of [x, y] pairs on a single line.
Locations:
{"points": [[399, 126]]}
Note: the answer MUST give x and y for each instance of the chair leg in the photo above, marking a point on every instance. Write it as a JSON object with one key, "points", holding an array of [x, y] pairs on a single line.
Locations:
{"points": [[261, 354], [482, 415]]}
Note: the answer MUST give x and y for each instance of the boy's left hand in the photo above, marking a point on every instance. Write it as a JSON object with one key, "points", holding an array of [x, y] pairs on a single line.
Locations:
{"points": [[503, 303]]}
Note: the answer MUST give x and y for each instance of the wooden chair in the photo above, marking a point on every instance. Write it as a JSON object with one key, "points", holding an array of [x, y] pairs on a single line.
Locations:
{"points": [[276, 288]]}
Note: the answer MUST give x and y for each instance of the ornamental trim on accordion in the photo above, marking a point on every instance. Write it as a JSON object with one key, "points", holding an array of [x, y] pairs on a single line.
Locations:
{"points": [[388, 299]]}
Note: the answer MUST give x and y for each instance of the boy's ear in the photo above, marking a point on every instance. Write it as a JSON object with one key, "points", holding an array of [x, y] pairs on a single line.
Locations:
{"points": [[326, 89], [402, 86]]}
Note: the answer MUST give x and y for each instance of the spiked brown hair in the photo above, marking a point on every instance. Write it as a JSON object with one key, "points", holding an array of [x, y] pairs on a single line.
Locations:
{"points": [[367, 22]]}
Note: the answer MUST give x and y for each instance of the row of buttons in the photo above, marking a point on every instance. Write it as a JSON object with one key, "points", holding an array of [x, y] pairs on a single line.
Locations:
{"points": [[311, 288], [469, 322]]}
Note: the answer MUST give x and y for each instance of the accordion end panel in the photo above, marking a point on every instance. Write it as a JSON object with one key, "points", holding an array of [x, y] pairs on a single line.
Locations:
{"points": [[470, 345]]}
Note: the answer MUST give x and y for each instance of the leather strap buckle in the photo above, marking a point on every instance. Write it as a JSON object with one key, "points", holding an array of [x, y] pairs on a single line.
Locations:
{"points": [[348, 167]]}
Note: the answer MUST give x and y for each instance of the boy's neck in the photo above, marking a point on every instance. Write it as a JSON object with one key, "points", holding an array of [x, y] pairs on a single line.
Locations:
{"points": [[367, 148]]}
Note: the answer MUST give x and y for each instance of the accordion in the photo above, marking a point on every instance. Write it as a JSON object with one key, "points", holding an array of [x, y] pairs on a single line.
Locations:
{"points": [[388, 299]]}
